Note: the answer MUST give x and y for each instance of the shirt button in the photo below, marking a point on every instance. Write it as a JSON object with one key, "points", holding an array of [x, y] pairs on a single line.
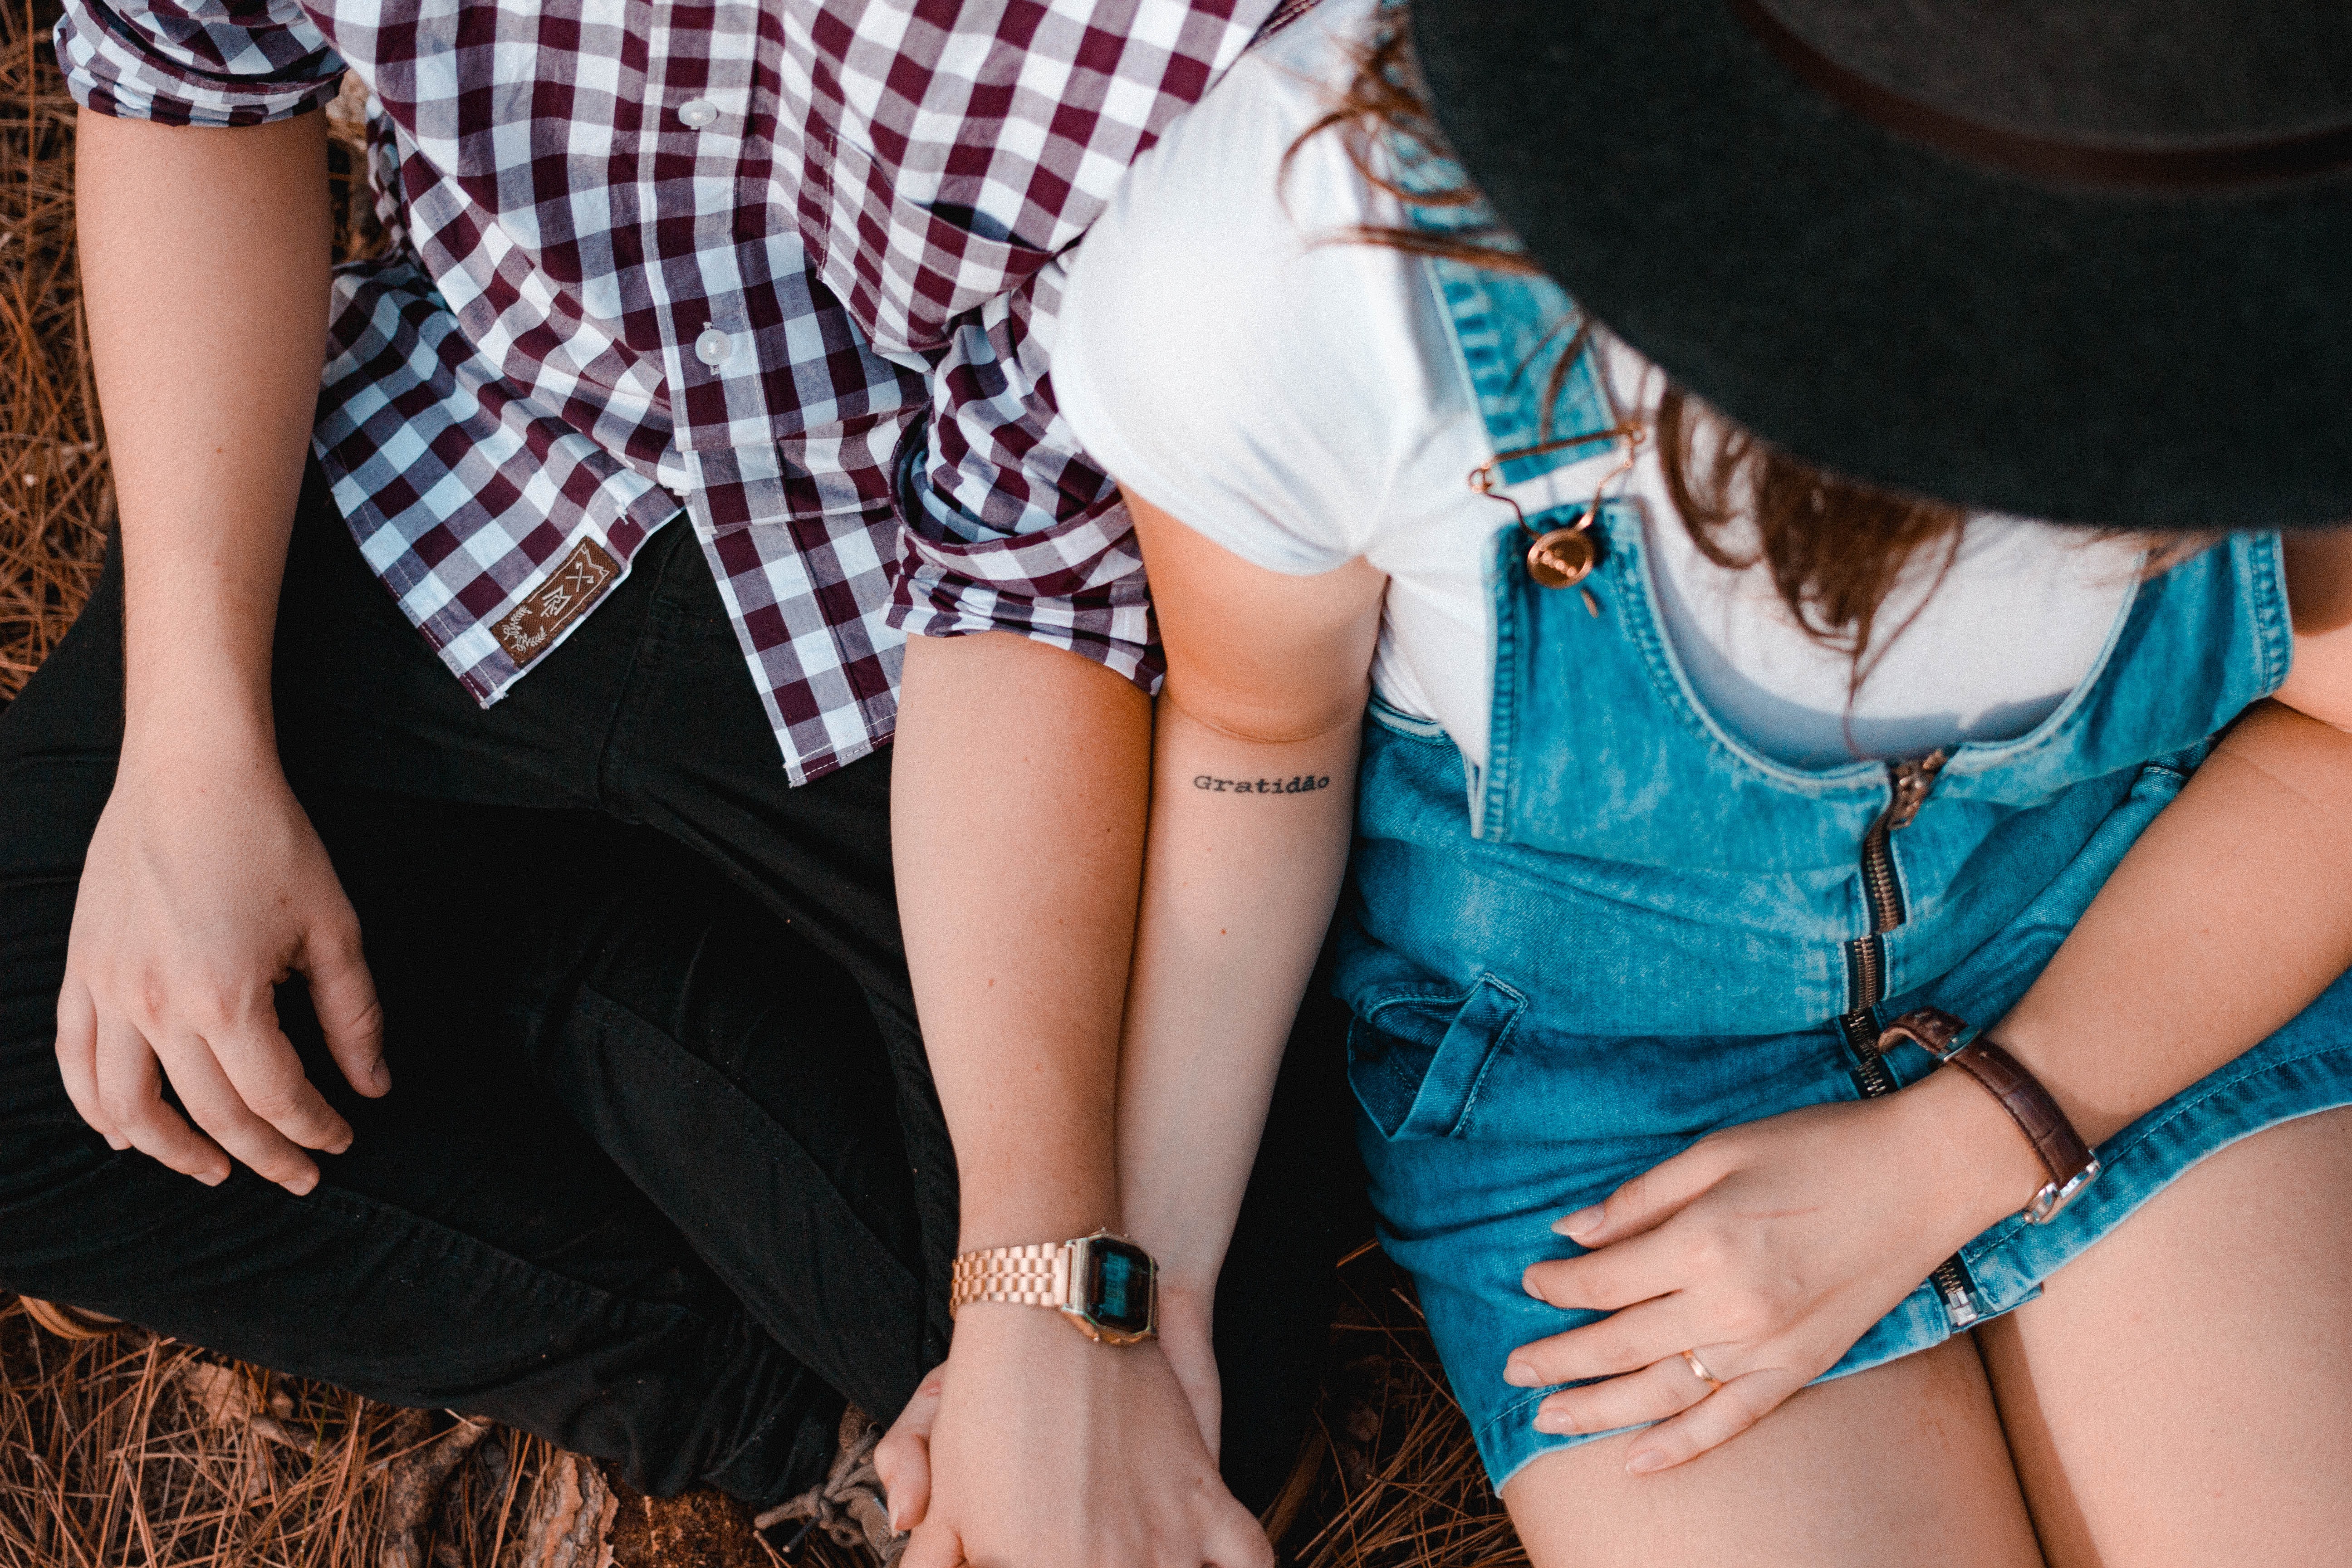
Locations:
{"points": [[713, 347], [699, 113]]}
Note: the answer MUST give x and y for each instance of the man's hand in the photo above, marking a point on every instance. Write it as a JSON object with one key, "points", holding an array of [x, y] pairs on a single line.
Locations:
{"points": [[1032, 1448], [1768, 1250], [204, 882], [206, 885]]}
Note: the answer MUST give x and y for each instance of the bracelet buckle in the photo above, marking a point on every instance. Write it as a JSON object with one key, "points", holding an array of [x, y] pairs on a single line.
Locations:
{"points": [[2056, 1196]]}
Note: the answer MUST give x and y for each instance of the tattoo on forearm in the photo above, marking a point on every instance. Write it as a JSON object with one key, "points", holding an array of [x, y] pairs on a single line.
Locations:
{"points": [[1302, 784]]}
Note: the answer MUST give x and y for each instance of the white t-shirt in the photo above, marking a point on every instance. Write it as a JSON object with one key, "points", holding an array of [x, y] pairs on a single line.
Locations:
{"points": [[1292, 397]]}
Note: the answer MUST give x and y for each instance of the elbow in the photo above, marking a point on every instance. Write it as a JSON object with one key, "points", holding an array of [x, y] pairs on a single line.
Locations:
{"points": [[1268, 719]]}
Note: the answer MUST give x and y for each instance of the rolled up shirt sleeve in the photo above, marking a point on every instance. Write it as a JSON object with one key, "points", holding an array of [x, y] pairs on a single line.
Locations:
{"points": [[1009, 525], [196, 62]]}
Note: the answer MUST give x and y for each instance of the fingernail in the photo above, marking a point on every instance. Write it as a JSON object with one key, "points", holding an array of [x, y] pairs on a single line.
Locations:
{"points": [[1578, 1223], [380, 1075], [213, 1178], [117, 1142], [1551, 1423], [1642, 1463], [1520, 1375], [300, 1185], [340, 1148]]}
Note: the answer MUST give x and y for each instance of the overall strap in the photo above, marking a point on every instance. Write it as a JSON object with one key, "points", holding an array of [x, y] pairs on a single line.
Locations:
{"points": [[1508, 329]]}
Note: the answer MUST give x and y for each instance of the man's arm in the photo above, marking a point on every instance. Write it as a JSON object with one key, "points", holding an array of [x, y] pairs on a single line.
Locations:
{"points": [[1019, 789], [204, 882]]}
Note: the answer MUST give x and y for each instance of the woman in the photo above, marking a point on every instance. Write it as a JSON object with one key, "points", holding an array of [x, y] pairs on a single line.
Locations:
{"points": [[1694, 771]]}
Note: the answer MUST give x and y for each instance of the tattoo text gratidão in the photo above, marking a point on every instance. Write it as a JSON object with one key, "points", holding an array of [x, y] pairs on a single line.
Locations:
{"points": [[1303, 783]]}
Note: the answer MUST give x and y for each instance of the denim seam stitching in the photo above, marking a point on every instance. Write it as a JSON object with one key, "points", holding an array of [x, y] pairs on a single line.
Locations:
{"points": [[1502, 700], [2019, 1229], [1494, 1049], [1455, 998], [1671, 684]]}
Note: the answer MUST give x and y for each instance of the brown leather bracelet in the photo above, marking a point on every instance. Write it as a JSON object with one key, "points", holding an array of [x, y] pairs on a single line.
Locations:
{"points": [[2070, 1162]]}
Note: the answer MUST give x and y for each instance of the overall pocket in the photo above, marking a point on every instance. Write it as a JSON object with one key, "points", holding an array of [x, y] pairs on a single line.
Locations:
{"points": [[1416, 1063]]}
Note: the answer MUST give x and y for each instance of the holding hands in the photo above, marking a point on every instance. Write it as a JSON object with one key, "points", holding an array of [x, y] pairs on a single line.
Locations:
{"points": [[1764, 1252], [1034, 1447]]}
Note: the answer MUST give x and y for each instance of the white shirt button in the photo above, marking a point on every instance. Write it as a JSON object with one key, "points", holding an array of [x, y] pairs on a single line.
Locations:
{"points": [[713, 347], [699, 113]]}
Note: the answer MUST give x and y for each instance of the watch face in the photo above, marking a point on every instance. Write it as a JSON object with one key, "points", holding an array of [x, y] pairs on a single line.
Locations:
{"points": [[1118, 1285]]}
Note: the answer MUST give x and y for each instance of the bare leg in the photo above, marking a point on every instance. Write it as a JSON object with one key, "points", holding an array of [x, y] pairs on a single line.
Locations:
{"points": [[2183, 1393], [1898, 1465]]}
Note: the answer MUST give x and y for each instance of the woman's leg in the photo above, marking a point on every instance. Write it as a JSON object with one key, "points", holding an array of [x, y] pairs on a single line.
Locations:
{"points": [[2182, 1393], [1897, 1467]]}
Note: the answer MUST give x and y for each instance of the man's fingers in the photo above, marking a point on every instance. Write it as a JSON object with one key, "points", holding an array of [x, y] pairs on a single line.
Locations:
{"points": [[131, 1092], [258, 1064], [343, 993], [903, 1457], [78, 1058], [1649, 1198], [934, 1546], [1237, 1540], [1620, 1342], [1663, 1388], [215, 1105], [1722, 1415]]}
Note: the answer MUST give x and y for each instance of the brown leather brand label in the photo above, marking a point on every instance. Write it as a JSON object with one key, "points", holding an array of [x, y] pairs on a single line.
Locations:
{"points": [[579, 582]]}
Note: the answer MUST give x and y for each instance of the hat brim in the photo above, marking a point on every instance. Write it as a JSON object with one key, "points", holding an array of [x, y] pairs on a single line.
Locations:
{"points": [[1898, 314]]}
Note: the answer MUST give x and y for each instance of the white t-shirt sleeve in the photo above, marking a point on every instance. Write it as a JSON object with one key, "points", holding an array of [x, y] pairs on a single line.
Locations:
{"points": [[1258, 387]]}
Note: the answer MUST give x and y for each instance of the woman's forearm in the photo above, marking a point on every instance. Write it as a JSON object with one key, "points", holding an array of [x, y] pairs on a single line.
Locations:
{"points": [[2227, 918], [1247, 846], [1254, 791]]}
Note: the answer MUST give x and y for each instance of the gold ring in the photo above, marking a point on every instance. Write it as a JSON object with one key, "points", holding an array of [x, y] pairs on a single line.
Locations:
{"points": [[1698, 1369]]}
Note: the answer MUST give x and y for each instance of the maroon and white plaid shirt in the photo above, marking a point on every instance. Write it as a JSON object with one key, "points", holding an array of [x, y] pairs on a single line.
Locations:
{"points": [[722, 255]]}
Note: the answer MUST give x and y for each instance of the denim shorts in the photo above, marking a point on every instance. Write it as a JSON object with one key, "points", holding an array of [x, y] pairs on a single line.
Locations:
{"points": [[1480, 1130]]}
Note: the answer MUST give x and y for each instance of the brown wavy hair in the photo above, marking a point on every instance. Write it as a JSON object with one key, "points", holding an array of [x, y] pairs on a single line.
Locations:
{"points": [[1835, 547]]}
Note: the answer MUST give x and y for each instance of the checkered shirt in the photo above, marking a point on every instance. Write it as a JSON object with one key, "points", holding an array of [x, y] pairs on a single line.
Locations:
{"points": [[736, 255]]}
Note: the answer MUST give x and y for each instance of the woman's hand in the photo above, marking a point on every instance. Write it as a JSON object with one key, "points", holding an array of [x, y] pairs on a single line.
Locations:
{"points": [[1767, 1250], [1187, 1319]]}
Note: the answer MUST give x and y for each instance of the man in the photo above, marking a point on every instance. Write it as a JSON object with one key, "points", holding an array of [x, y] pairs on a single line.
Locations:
{"points": [[708, 364]]}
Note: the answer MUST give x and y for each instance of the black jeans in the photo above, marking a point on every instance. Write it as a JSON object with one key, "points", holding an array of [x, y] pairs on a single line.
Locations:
{"points": [[663, 1176]]}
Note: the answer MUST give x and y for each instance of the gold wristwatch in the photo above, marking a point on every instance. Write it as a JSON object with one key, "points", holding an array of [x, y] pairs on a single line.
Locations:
{"points": [[1104, 1283]]}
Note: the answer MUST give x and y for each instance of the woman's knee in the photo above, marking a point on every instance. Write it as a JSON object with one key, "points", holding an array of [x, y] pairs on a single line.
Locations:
{"points": [[1892, 1466], [2176, 1393]]}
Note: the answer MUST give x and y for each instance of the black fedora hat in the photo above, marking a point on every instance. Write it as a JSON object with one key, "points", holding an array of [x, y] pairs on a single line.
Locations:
{"points": [[2088, 260]]}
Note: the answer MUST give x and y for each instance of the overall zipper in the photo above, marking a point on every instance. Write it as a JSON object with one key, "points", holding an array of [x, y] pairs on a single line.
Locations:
{"points": [[1910, 784]]}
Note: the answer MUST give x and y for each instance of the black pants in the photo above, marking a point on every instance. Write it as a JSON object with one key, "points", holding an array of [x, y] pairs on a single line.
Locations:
{"points": [[663, 1176]]}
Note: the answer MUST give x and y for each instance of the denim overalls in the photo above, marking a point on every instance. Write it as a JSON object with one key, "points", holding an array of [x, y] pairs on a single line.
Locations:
{"points": [[1656, 931]]}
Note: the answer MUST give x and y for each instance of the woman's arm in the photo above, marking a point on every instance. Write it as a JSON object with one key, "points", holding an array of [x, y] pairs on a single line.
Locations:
{"points": [[2233, 910], [1779, 1241], [1254, 767]]}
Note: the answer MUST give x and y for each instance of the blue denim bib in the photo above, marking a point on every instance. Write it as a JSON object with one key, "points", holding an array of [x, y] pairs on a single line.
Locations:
{"points": [[1637, 869], [1655, 931]]}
